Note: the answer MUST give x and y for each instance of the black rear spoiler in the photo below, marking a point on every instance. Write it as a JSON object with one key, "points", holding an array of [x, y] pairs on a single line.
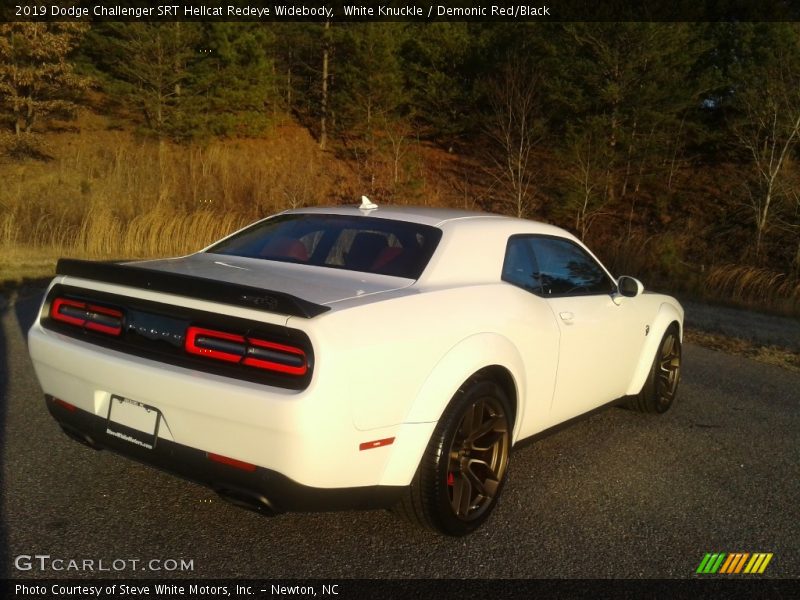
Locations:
{"points": [[191, 286]]}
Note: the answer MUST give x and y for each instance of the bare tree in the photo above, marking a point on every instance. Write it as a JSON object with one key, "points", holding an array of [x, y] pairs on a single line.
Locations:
{"points": [[790, 221], [771, 130], [768, 130], [585, 175], [398, 134], [516, 128]]}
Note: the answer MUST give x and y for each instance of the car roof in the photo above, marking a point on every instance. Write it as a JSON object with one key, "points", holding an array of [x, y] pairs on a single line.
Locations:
{"points": [[425, 215], [473, 243]]}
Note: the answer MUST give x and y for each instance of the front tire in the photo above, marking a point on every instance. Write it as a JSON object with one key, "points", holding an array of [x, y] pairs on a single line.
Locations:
{"points": [[661, 387], [463, 470]]}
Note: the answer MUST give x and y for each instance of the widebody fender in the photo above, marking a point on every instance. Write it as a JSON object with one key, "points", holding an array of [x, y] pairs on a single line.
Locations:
{"points": [[667, 314], [463, 360]]}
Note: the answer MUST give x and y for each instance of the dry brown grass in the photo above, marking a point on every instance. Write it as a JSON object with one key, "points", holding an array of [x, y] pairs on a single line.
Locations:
{"points": [[108, 195], [772, 355], [754, 286]]}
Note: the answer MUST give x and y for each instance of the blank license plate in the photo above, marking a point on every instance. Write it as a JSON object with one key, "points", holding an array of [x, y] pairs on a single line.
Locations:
{"points": [[133, 421]]}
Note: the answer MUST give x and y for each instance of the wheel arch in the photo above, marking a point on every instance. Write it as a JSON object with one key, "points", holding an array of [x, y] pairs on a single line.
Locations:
{"points": [[481, 356], [667, 316], [502, 377]]}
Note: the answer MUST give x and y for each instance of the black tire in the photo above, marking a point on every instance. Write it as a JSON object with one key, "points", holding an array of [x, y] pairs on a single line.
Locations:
{"points": [[660, 388], [463, 470]]}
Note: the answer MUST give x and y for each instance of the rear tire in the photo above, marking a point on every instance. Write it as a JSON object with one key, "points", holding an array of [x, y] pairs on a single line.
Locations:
{"points": [[464, 467], [660, 388]]}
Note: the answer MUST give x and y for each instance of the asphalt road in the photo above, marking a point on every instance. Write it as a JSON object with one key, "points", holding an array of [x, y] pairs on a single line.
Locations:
{"points": [[619, 495]]}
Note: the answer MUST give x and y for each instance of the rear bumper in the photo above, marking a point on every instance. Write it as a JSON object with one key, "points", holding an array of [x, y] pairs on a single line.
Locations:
{"points": [[307, 436], [263, 490]]}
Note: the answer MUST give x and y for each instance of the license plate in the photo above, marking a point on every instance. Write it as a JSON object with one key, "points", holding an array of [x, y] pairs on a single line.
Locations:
{"points": [[133, 421]]}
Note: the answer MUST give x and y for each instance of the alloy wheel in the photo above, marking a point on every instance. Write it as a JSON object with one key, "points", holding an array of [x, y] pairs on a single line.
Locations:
{"points": [[478, 458]]}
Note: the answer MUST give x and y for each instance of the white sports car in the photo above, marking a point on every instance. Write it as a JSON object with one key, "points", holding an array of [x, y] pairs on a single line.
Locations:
{"points": [[355, 357]]}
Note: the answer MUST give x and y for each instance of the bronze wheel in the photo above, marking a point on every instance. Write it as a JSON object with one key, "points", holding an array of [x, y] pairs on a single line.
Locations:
{"points": [[478, 458], [463, 470], [661, 386], [668, 371]]}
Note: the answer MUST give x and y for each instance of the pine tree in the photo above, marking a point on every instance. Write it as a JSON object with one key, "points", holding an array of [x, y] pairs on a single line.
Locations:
{"points": [[37, 80], [234, 83], [624, 89], [147, 67], [188, 80], [439, 66], [367, 77]]}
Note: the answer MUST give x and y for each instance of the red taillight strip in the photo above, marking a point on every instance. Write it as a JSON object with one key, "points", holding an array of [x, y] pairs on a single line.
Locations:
{"points": [[231, 462], [200, 341], [55, 311], [87, 311], [274, 366], [192, 348]]}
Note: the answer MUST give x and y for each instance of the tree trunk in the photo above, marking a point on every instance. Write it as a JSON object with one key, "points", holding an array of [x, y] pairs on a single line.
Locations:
{"points": [[289, 89], [323, 125], [761, 222], [797, 259], [30, 116]]}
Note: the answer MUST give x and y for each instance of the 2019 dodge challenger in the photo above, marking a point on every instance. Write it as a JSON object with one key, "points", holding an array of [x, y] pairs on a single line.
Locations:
{"points": [[352, 357]]}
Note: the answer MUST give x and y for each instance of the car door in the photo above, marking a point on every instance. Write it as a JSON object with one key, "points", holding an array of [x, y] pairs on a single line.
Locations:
{"points": [[535, 334], [601, 337]]}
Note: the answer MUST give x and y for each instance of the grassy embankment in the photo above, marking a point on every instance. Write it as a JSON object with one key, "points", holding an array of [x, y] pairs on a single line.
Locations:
{"points": [[106, 194]]}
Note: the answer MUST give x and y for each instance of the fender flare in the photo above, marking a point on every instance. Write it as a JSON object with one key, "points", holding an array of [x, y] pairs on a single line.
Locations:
{"points": [[666, 316], [463, 360]]}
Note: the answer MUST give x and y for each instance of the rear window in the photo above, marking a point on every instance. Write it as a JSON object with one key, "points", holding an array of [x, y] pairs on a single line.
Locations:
{"points": [[365, 244]]}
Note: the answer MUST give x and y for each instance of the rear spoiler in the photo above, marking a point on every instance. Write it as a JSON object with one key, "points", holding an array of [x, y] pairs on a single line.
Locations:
{"points": [[191, 286]]}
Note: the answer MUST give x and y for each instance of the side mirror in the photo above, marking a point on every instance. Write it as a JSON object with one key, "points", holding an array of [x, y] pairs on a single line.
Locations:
{"points": [[629, 287]]}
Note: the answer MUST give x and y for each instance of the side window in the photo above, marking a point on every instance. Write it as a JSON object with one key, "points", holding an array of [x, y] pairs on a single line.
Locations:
{"points": [[519, 267], [566, 269]]}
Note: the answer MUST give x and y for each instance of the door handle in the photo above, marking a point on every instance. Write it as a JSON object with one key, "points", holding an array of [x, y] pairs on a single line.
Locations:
{"points": [[566, 316]]}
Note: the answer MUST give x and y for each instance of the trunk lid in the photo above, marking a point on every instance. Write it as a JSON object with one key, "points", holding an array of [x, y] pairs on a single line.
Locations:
{"points": [[320, 285]]}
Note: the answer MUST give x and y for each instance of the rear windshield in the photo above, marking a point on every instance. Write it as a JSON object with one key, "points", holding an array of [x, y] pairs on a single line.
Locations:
{"points": [[366, 244]]}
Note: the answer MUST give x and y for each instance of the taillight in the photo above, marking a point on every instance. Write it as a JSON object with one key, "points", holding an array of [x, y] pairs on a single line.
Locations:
{"points": [[215, 344], [88, 316], [246, 350]]}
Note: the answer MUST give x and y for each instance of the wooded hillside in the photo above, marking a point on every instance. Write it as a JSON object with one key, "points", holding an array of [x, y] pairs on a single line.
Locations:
{"points": [[672, 148]]}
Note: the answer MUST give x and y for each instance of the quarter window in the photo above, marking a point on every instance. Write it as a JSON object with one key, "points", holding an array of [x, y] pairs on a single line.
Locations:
{"points": [[520, 268]]}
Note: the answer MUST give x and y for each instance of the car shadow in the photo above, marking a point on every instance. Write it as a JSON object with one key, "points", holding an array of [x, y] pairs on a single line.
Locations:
{"points": [[26, 310], [4, 385], [20, 313]]}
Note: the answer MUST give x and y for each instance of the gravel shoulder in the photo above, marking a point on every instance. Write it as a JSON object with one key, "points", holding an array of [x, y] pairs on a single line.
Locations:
{"points": [[757, 328]]}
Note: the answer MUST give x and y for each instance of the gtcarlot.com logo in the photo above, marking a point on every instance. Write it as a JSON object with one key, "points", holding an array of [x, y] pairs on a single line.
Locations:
{"points": [[45, 562], [734, 563]]}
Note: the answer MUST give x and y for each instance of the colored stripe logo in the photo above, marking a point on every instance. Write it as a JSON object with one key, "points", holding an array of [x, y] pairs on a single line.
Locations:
{"points": [[734, 563]]}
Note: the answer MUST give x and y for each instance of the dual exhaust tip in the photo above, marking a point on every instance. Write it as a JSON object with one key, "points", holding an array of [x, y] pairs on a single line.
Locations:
{"points": [[248, 500]]}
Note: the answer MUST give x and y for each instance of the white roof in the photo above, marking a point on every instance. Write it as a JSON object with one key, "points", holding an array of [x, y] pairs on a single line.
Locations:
{"points": [[425, 215]]}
